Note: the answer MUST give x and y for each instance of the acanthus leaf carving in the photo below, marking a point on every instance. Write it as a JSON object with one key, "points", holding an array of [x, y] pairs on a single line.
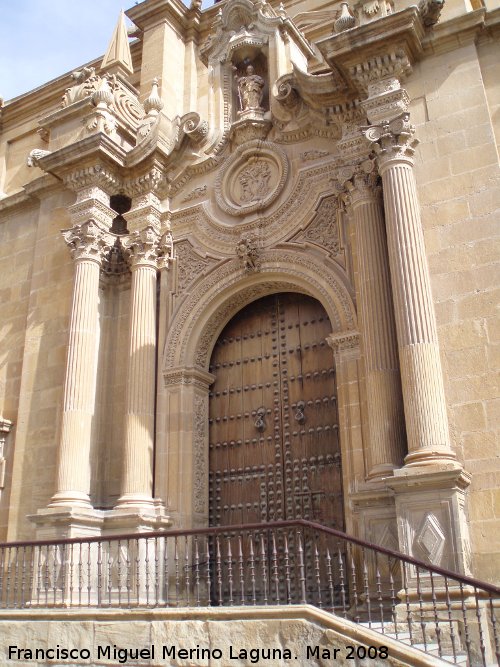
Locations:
{"points": [[393, 140], [195, 193], [361, 182], [143, 246], [88, 241]]}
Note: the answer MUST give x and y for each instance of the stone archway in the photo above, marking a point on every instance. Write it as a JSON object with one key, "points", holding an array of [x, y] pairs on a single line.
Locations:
{"points": [[182, 436]]}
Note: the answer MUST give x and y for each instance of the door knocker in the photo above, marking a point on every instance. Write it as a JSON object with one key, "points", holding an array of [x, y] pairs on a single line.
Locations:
{"points": [[299, 415], [260, 424]]}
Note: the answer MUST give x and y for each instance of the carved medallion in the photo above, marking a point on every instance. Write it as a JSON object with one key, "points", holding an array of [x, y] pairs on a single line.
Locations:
{"points": [[252, 178]]}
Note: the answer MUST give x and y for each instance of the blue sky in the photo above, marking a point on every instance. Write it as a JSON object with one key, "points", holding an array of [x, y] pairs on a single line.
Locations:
{"points": [[42, 39]]}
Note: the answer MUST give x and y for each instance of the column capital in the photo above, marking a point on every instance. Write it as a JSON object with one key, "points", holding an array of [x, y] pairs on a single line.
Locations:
{"points": [[149, 248], [393, 142], [344, 342], [360, 182], [88, 241]]}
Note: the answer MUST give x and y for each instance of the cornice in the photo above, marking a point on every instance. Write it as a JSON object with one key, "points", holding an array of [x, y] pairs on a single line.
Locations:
{"points": [[458, 31], [27, 197], [148, 14], [16, 200], [403, 29], [95, 147]]}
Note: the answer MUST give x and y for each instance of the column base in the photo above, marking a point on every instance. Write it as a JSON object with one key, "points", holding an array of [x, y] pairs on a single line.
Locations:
{"points": [[136, 518], [381, 470], [70, 500], [435, 456], [58, 523], [432, 522], [138, 501]]}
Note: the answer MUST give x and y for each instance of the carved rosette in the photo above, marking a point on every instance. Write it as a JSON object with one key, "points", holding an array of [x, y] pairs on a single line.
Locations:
{"points": [[88, 241], [252, 178], [393, 141]]}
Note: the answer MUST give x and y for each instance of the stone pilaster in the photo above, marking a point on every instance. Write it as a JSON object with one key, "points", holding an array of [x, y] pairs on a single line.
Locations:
{"points": [[346, 351], [88, 243], [137, 478], [376, 314], [421, 374]]}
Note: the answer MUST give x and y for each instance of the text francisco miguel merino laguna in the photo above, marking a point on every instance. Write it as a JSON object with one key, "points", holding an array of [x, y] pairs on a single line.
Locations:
{"points": [[165, 652]]}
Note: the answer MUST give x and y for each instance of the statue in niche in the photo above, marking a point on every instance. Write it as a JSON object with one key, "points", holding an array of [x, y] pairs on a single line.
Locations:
{"points": [[250, 90]]}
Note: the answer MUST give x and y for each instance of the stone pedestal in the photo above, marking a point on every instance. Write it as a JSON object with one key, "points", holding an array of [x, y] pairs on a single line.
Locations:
{"points": [[432, 522]]}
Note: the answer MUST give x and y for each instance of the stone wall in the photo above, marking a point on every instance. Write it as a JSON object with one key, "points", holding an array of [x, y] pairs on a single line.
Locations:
{"points": [[259, 629], [459, 188]]}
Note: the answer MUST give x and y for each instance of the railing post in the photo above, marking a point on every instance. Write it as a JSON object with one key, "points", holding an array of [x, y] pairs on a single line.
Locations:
{"points": [[302, 573]]}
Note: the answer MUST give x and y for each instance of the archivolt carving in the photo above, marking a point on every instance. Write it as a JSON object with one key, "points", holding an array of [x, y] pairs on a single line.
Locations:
{"points": [[280, 225], [200, 478], [185, 346]]}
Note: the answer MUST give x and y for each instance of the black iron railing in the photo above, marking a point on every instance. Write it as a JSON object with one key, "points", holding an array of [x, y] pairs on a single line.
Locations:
{"points": [[279, 563]]}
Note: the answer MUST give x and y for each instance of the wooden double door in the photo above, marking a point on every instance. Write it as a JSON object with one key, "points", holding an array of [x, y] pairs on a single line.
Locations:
{"points": [[273, 425]]}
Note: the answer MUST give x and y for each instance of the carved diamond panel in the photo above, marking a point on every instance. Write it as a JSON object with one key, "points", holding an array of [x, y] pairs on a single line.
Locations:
{"points": [[430, 540]]}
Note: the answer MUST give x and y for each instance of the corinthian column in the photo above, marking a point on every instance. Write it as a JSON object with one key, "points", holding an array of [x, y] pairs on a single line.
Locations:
{"points": [[421, 374], [378, 331], [88, 244], [137, 478]]}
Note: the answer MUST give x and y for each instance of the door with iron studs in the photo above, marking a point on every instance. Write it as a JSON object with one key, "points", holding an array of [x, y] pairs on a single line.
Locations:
{"points": [[273, 428]]}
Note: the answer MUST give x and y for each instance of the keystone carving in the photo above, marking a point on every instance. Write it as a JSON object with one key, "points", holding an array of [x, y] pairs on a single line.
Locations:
{"points": [[248, 254]]}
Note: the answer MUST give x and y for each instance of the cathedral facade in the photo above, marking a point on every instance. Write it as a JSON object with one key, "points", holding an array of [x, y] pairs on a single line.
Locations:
{"points": [[250, 274]]}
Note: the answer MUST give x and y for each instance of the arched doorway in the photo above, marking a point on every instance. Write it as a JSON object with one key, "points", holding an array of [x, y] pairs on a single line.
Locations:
{"points": [[274, 449]]}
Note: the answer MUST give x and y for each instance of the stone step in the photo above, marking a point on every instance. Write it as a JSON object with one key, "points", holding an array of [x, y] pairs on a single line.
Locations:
{"points": [[405, 638]]}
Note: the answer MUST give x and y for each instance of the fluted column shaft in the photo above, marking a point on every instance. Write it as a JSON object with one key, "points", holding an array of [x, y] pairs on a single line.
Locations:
{"points": [[145, 248], [421, 373], [378, 332], [73, 472], [139, 425]]}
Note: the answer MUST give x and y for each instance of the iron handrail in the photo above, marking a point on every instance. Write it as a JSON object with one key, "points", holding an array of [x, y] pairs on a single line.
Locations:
{"points": [[295, 523]]}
